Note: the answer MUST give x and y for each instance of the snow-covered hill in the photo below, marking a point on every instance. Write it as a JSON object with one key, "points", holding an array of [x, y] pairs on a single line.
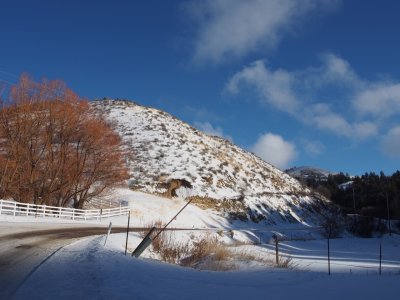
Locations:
{"points": [[307, 172], [170, 157]]}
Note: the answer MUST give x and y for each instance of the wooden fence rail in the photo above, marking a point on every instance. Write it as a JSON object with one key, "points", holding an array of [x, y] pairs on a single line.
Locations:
{"points": [[26, 209]]}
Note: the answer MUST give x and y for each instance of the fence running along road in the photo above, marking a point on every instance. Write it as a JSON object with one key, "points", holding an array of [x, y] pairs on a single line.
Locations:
{"points": [[27, 209]]}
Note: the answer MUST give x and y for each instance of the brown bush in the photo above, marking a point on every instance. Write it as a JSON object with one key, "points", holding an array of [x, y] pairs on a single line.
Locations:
{"points": [[53, 149]]}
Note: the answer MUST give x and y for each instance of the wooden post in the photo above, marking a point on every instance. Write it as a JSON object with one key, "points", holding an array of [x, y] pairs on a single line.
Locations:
{"points": [[127, 233], [276, 249]]}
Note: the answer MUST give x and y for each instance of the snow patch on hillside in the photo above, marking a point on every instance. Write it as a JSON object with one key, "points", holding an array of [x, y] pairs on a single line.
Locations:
{"points": [[222, 176]]}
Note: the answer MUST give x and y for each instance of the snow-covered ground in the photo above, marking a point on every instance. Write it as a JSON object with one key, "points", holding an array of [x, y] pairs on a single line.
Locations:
{"points": [[87, 269]]}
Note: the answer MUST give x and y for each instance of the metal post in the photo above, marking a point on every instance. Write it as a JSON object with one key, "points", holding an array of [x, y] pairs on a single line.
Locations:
{"points": [[108, 233], [380, 258], [144, 243], [329, 257], [127, 233]]}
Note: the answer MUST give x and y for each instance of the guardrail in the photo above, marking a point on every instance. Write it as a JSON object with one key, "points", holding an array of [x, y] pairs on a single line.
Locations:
{"points": [[26, 209]]}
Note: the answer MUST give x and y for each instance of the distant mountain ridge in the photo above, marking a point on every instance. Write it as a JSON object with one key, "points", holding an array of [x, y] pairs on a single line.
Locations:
{"points": [[307, 172], [171, 157]]}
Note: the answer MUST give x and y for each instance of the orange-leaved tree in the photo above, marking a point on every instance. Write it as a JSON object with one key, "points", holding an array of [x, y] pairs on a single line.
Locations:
{"points": [[54, 149]]}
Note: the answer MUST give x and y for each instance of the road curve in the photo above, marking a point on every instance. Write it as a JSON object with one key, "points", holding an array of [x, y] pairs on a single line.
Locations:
{"points": [[23, 246]]}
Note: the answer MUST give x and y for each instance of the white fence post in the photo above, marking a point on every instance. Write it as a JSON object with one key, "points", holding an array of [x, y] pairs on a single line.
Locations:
{"points": [[1, 205], [27, 210], [15, 208]]}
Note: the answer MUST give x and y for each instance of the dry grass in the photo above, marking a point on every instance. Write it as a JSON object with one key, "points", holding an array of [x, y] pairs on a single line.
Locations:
{"points": [[205, 247], [164, 244], [204, 253], [207, 252], [285, 262]]}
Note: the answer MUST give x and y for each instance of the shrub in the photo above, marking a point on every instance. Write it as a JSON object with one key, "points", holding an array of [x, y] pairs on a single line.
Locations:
{"points": [[331, 228], [361, 226]]}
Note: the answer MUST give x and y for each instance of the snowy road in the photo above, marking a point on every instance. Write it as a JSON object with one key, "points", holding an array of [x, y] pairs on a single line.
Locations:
{"points": [[88, 270], [24, 247]]}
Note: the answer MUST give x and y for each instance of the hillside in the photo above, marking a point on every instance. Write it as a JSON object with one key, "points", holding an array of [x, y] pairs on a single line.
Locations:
{"points": [[171, 158]]}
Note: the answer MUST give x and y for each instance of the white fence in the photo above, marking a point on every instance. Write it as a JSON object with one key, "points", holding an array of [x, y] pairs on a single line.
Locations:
{"points": [[25, 209]]}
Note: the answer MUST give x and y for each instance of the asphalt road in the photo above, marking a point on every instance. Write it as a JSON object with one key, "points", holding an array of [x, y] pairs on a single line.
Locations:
{"points": [[24, 246]]}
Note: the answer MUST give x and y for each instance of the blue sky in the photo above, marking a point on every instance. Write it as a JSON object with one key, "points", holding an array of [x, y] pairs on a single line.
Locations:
{"points": [[298, 82]]}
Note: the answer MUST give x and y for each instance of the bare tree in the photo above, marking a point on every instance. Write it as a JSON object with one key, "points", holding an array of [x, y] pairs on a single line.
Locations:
{"points": [[53, 149]]}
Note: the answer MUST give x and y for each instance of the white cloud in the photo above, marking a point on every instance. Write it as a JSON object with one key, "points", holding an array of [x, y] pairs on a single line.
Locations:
{"points": [[321, 116], [363, 130], [209, 129], [313, 147], [391, 142], [379, 101], [299, 92], [337, 70], [273, 87], [229, 29], [275, 150]]}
